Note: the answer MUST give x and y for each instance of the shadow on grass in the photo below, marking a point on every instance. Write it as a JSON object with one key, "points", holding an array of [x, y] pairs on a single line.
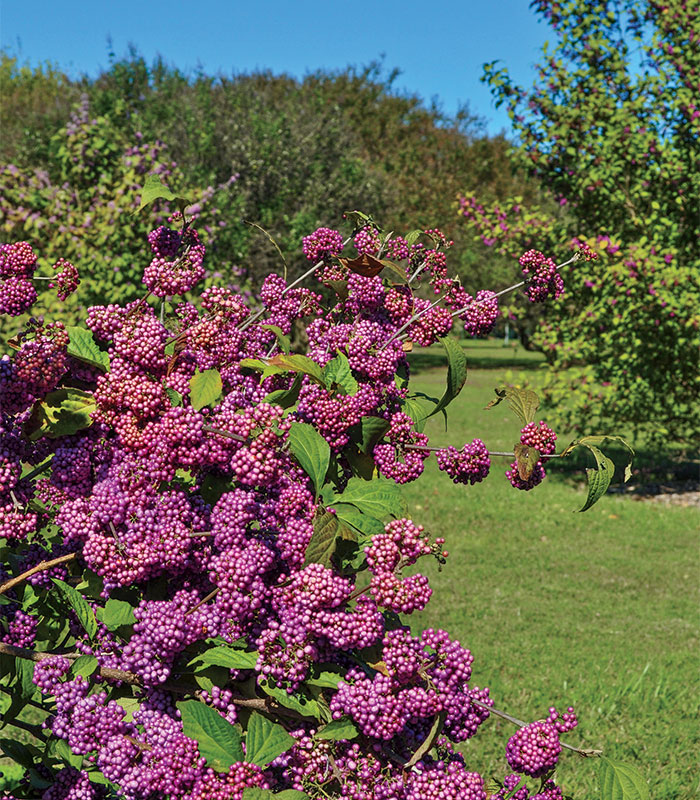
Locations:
{"points": [[480, 355]]}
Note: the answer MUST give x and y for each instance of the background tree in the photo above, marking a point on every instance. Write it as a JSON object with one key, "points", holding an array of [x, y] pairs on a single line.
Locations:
{"points": [[612, 128]]}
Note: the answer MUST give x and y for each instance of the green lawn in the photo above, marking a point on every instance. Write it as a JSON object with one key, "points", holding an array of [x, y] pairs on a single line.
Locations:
{"points": [[597, 610]]}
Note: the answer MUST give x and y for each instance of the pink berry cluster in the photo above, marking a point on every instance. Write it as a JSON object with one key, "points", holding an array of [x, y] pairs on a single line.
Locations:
{"points": [[543, 279], [66, 280], [17, 265], [322, 244], [471, 464], [367, 240], [398, 459], [178, 263]]}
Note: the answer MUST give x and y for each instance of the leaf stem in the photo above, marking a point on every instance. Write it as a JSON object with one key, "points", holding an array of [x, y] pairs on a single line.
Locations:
{"points": [[40, 567]]}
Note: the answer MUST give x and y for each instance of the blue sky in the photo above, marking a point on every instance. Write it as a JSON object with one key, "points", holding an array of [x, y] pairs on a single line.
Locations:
{"points": [[439, 47]]}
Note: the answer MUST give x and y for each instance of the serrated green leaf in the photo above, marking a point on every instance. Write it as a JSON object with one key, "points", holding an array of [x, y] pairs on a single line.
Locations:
{"points": [[368, 432], [311, 450], [116, 613], [585, 441], [154, 189], [369, 526], [337, 371], [205, 388], [24, 754], [598, 477], [82, 345], [85, 666], [419, 407], [325, 676], [59, 749], [265, 740], [223, 656], [620, 781], [412, 237], [218, 741], [60, 413], [78, 603], [378, 498], [394, 273], [342, 728], [456, 372], [25, 671], [523, 402]]}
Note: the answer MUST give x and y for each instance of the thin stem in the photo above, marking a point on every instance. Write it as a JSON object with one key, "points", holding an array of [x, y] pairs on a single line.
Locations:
{"points": [[206, 599], [38, 470], [40, 567], [410, 322], [253, 317], [235, 436], [521, 724]]}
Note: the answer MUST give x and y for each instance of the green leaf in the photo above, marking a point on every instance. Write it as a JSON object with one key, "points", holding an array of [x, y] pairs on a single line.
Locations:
{"points": [[456, 372], [392, 271], [620, 781], [419, 407], [311, 450], [25, 671], [293, 363], [282, 339], [369, 526], [59, 749], [586, 441], [223, 656], [25, 754], [82, 345], [323, 543], [213, 486], [219, 742], [412, 237], [342, 728], [254, 793], [285, 398], [78, 603], [154, 189], [338, 372], [85, 666], [523, 402], [116, 613], [61, 413], [325, 676], [265, 740], [368, 432], [174, 397], [205, 388], [297, 701], [378, 498]]}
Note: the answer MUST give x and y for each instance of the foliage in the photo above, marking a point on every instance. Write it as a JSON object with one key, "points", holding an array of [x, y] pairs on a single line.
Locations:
{"points": [[305, 152], [194, 568], [612, 128]]}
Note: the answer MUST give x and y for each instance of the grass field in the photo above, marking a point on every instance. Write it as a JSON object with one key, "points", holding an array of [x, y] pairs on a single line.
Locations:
{"points": [[596, 610]]}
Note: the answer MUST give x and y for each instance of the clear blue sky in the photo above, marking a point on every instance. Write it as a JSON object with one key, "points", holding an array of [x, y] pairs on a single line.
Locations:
{"points": [[439, 47]]}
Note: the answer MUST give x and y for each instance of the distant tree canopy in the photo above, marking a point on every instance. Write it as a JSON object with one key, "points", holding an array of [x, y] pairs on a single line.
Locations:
{"points": [[304, 151]]}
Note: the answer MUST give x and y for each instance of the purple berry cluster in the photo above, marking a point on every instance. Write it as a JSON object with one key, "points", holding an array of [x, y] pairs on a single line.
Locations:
{"points": [[534, 749], [481, 314], [322, 245], [17, 265], [397, 461], [471, 464], [542, 278]]}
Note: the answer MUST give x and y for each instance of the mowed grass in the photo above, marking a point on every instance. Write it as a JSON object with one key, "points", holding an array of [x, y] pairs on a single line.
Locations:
{"points": [[599, 610]]}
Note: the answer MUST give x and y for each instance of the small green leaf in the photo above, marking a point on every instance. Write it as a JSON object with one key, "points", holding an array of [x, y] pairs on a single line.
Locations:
{"points": [[25, 671], [78, 603], [585, 441], [205, 388], [412, 237], [219, 742], [311, 450], [368, 432], [82, 345], [265, 740], [369, 526], [85, 666], [174, 397], [456, 372], [154, 189], [598, 477], [285, 398], [338, 372], [297, 701], [116, 613], [325, 676], [620, 781], [323, 543], [523, 402], [223, 656], [342, 728], [282, 339], [392, 271]]}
